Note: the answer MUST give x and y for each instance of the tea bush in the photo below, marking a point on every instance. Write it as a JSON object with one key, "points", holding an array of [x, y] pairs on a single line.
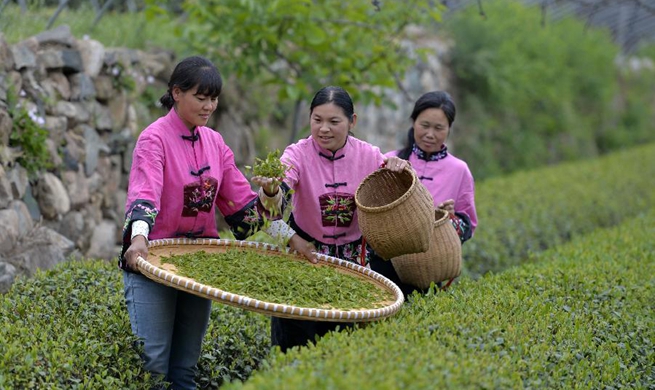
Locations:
{"points": [[68, 328], [579, 316], [530, 211]]}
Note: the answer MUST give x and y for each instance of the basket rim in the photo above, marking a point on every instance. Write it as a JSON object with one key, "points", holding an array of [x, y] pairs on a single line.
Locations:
{"points": [[393, 204], [171, 279]]}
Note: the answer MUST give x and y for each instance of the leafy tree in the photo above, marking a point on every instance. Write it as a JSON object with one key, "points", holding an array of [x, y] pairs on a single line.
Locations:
{"points": [[299, 46]]}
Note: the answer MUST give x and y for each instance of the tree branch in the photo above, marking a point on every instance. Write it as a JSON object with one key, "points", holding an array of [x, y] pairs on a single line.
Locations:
{"points": [[484, 16]]}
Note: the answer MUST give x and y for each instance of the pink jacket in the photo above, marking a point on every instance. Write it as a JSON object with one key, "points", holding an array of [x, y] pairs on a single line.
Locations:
{"points": [[184, 179], [324, 187], [449, 178]]}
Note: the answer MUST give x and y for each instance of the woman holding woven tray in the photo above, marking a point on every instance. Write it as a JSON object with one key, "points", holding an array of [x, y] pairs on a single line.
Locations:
{"points": [[324, 172], [182, 171], [447, 178]]}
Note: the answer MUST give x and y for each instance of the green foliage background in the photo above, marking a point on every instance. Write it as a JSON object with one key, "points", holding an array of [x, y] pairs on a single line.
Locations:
{"points": [[300, 46], [532, 94], [528, 94]]}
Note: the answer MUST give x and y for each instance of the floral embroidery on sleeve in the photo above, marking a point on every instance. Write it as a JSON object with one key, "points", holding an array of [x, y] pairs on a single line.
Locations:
{"points": [[245, 222], [141, 210], [462, 224]]}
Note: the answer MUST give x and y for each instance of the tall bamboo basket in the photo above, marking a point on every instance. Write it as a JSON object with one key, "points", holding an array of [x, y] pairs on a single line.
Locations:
{"points": [[443, 261], [395, 212]]}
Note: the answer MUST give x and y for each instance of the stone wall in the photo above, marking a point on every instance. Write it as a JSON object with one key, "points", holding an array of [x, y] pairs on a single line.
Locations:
{"points": [[83, 94]]}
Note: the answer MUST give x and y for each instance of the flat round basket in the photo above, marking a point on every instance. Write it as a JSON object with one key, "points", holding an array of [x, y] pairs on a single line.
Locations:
{"points": [[395, 212], [443, 261], [164, 273]]}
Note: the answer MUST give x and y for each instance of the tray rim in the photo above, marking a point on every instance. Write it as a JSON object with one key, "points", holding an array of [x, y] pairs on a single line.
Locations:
{"points": [[182, 283]]}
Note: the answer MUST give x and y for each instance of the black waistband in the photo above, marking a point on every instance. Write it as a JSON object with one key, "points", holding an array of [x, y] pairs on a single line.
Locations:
{"points": [[309, 238]]}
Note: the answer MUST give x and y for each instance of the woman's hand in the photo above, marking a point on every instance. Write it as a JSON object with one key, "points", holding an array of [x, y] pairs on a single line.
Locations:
{"points": [[395, 164], [270, 185], [303, 247], [138, 247], [448, 205]]}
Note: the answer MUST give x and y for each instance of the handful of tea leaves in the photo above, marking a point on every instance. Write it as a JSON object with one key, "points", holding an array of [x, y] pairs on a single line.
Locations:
{"points": [[269, 167], [280, 279]]}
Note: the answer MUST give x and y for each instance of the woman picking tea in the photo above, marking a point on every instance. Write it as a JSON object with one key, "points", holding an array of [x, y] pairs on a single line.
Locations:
{"points": [[324, 171]]}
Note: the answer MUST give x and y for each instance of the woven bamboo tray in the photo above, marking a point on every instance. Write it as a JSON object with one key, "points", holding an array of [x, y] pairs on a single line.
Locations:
{"points": [[165, 274]]}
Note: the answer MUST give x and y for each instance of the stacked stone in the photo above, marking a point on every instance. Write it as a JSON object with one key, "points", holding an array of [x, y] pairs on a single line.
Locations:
{"points": [[71, 86]]}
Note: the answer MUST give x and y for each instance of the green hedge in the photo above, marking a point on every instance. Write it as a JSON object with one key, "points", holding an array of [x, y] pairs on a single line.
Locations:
{"points": [[530, 211], [68, 328], [579, 317]]}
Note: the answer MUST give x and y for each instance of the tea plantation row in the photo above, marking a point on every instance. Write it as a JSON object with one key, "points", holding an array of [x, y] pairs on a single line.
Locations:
{"points": [[67, 328], [530, 211], [579, 317]]}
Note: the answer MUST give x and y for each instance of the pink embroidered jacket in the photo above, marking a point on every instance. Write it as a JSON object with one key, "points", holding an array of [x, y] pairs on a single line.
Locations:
{"points": [[178, 179], [447, 178], [324, 186]]}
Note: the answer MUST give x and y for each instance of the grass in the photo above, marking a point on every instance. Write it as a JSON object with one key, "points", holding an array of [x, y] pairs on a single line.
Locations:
{"points": [[133, 30]]}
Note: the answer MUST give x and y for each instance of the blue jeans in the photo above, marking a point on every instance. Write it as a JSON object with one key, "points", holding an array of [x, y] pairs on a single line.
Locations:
{"points": [[171, 324]]}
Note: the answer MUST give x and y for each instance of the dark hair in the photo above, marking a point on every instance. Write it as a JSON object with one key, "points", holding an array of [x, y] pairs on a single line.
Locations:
{"points": [[190, 72], [435, 99], [337, 96]]}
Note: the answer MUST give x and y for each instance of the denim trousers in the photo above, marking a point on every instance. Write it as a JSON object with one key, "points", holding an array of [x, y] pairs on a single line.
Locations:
{"points": [[171, 324]]}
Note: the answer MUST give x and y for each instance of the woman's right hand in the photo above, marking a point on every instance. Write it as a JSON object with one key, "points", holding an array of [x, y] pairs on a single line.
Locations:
{"points": [[303, 247], [138, 247], [270, 185]]}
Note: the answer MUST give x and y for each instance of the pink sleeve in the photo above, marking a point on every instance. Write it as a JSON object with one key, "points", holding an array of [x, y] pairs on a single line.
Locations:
{"points": [[290, 158], [381, 157], [147, 173], [392, 153], [235, 191]]}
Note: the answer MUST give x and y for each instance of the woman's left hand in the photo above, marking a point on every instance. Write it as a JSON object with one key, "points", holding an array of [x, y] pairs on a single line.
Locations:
{"points": [[395, 164], [448, 205]]}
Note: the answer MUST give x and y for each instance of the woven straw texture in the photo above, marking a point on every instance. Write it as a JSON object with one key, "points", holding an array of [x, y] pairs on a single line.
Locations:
{"points": [[165, 274], [443, 261], [395, 212]]}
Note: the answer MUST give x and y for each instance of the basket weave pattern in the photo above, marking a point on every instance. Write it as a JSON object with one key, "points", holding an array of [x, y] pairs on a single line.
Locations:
{"points": [[152, 268], [443, 261], [395, 212]]}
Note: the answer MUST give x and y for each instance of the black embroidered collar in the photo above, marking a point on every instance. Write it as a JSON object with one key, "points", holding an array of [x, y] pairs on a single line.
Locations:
{"points": [[423, 155], [331, 158], [193, 138], [330, 155]]}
